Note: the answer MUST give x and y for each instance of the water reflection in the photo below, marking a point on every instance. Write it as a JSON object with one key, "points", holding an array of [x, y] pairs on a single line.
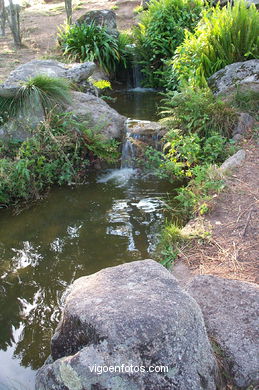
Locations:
{"points": [[73, 232]]}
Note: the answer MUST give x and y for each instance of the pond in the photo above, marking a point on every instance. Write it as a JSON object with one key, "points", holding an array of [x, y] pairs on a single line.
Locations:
{"points": [[114, 218], [137, 103]]}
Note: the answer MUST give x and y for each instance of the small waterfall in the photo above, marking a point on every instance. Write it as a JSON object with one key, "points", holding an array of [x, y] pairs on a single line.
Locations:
{"points": [[137, 75], [128, 152]]}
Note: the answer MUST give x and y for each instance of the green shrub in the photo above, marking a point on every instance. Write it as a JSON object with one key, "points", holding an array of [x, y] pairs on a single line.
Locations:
{"points": [[59, 153], [89, 42], [222, 37], [198, 111], [41, 90], [160, 31]]}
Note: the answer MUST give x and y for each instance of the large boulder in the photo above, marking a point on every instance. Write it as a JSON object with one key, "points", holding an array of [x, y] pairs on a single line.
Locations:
{"points": [[104, 18], [231, 312], [75, 72], [126, 320], [244, 75], [85, 107], [99, 115]]}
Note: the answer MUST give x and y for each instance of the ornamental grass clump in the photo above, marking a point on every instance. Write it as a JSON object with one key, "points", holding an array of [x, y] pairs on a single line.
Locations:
{"points": [[42, 91]]}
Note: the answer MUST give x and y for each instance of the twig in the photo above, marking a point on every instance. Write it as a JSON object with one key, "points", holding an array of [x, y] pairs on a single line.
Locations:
{"points": [[247, 222]]}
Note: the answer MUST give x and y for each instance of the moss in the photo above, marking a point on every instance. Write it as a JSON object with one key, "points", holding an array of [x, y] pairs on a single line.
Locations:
{"points": [[69, 377]]}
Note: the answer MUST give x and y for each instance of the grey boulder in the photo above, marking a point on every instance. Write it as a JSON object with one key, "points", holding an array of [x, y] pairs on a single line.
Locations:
{"points": [[75, 73], [104, 18], [244, 75], [234, 161], [99, 115], [132, 315], [231, 313]]}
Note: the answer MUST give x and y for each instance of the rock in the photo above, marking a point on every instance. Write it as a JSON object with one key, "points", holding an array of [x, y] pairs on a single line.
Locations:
{"points": [[144, 133], [76, 72], [234, 161], [99, 115], [245, 123], [231, 313], [146, 128], [85, 106], [134, 315], [105, 18], [244, 75]]}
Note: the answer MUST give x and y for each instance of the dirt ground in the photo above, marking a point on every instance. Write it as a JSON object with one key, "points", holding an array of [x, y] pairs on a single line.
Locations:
{"points": [[40, 22], [232, 249]]}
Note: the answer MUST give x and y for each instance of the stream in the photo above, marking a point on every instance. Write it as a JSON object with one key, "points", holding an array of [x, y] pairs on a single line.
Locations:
{"points": [[114, 218]]}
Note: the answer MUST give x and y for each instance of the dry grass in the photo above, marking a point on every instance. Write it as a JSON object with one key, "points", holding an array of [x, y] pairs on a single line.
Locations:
{"points": [[39, 24]]}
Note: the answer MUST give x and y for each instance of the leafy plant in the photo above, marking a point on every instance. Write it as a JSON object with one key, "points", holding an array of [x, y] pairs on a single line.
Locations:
{"points": [[90, 42], [59, 153], [160, 31], [222, 37], [194, 199], [41, 90], [198, 111]]}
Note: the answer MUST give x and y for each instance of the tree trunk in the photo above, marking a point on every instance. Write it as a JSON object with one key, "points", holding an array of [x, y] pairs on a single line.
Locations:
{"points": [[13, 17], [2, 18], [68, 6]]}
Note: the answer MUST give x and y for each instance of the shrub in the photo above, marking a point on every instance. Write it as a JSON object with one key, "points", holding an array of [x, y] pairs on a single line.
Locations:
{"points": [[160, 31], [59, 153], [89, 42], [41, 90], [198, 111], [222, 37]]}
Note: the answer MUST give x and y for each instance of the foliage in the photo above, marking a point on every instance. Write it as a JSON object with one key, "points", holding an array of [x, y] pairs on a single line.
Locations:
{"points": [[42, 90], [247, 101], [198, 111], [196, 196], [222, 37], [90, 42], [170, 239], [102, 84], [199, 126], [160, 31], [59, 153], [138, 9], [182, 154]]}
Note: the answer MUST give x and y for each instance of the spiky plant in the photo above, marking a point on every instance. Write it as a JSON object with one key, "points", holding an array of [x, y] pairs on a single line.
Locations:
{"points": [[39, 91]]}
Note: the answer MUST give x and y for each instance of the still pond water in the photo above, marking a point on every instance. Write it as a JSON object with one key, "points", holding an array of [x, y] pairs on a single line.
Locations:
{"points": [[114, 218]]}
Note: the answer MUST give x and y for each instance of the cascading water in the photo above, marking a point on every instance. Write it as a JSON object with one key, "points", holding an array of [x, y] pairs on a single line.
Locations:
{"points": [[128, 152]]}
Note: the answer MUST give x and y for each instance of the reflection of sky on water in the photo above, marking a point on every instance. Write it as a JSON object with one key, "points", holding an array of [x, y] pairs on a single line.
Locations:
{"points": [[74, 232]]}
